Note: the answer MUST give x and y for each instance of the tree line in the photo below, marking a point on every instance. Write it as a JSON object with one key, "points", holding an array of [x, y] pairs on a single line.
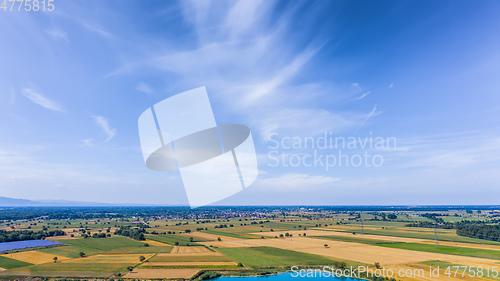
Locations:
{"points": [[480, 231], [21, 235]]}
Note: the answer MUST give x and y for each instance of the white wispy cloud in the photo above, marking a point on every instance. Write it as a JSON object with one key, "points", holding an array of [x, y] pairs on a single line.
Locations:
{"points": [[284, 74], [370, 115], [97, 29], [57, 33], [12, 95], [242, 16], [363, 96], [300, 122], [145, 88], [87, 142], [103, 122], [299, 180], [253, 68], [42, 100], [451, 150]]}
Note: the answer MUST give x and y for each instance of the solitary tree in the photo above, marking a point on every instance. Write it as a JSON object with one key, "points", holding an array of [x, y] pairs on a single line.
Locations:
{"points": [[142, 258], [377, 265], [55, 259], [218, 239], [326, 245], [82, 254], [130, 268]]}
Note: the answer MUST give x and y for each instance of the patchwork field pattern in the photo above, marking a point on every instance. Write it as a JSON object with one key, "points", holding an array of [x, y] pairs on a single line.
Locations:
{"points": [[251, 244]]}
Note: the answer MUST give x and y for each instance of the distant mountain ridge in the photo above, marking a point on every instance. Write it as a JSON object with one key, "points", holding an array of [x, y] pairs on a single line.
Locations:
{"points": [[14, 202]]}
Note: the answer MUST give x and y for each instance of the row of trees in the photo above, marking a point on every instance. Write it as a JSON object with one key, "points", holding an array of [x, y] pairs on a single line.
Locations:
{"points": [[427, 224], [21, 235], [481, 231]]}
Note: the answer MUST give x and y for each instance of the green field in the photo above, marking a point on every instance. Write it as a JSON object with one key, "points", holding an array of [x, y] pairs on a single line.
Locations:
{"points": [[268, 256], [65, 251], [458, 251], [150, 250], [11, 263], [79, 267], [189, 259], [91, 246], [172, 238]]}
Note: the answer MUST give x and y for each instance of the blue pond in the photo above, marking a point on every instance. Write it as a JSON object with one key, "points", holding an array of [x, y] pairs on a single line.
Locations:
{"points": [[9, 246], [288, 276]]}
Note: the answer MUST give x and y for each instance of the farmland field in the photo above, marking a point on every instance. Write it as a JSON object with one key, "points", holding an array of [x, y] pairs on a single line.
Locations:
{"points": [[172, 239], [268, 256], [460, 251], [34, 257], [162, 273], [190, 258], [8, 263], [156, 247]]}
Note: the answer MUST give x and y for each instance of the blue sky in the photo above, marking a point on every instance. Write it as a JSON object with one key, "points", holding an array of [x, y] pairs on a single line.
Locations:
{"points": [[74, 81]]}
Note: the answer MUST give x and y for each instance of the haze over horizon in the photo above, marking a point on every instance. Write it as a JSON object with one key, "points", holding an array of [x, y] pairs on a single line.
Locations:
{"points": [[74, 81]]}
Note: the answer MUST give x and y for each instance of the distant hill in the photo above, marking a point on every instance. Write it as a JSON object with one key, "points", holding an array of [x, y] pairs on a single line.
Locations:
{"points": [[13, 202]]}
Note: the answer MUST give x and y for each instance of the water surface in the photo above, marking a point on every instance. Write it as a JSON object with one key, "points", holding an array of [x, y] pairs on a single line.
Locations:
{"points": [[17, 245]]}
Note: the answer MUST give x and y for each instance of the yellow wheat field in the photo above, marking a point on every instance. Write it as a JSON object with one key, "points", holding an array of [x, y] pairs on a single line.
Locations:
{"points": [[186, 249], [185, 273], [155, 243], [35, 257]]}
